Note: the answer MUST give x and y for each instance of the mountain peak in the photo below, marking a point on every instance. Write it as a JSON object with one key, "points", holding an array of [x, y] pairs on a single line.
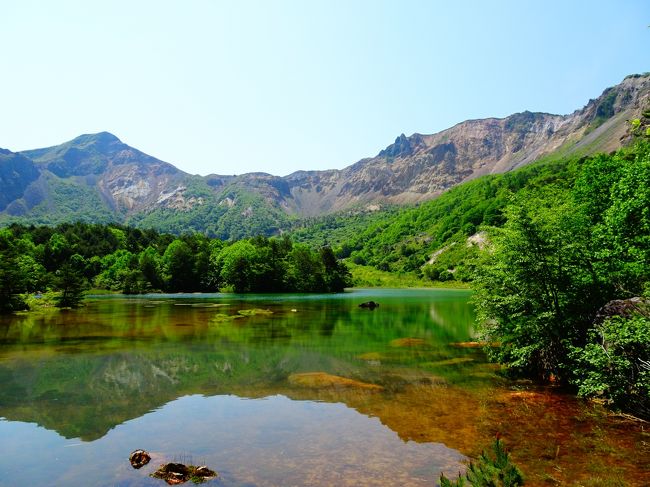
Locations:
{"points": [[403, 146], [100, 138]]}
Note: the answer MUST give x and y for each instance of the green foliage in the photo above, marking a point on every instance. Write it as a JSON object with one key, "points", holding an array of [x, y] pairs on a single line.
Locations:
{"points": [[66, 198], [615, 364], [68, 257], [487, 471], [456, 261], [70, 283], [305, 270], [233, 215], [366, 276], [536, 291], [241, 266], [562, 254], [624, 234], [276, 265], [404, 239], [178, 267], [12, 280]]}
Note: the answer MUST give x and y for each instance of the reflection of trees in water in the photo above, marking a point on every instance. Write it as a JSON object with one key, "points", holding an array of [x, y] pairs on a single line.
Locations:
{"points": [[455, 317], [83, 372]]}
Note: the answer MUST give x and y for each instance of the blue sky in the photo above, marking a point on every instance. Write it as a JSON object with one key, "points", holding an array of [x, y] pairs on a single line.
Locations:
{"points": [[239, 86]]}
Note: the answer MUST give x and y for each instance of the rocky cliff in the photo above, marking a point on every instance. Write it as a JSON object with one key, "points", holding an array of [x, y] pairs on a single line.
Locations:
{"points": [[98, 178], [420, 167]]}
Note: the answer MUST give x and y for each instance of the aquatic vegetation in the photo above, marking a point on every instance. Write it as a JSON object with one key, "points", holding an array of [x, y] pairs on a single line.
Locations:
{"points": [[178, 473], [451, 361], [488, 471], [254, 312]]}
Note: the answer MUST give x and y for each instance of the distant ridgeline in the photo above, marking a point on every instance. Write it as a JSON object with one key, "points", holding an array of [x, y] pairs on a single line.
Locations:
{"points": [[96, 178]]}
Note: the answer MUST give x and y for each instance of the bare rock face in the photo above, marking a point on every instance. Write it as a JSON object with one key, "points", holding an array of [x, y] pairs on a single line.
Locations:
{"points": [[420, 167], [412, 169], [625, 308]]}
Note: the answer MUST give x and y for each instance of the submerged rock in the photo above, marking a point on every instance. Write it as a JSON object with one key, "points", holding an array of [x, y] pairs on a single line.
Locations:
{"points": [[407, 342], [139, 458], [475, 344], [321, 380], [255, 311], [178, 473], [369, 305]]}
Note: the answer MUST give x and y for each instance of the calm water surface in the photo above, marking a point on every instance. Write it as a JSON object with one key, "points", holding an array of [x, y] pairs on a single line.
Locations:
{"points": [[284, 390]]}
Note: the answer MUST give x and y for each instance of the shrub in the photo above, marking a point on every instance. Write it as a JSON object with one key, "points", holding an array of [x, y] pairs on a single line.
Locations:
{"points": [[489, 472], [615, 364]]}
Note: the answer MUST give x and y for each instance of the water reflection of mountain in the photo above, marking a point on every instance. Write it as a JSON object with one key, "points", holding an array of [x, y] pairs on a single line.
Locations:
{"points": [[95, 369]]}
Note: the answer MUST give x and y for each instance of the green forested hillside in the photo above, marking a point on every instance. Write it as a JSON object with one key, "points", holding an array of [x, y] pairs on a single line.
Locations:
{"points": [[233, 215], [403, 239]]}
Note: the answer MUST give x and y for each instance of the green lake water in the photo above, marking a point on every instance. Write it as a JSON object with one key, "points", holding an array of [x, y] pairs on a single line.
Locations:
{"points": [[284, 390]]}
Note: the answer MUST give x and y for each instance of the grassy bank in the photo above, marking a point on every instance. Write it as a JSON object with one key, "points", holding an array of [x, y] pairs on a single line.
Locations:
{"points": [[367, 276]]}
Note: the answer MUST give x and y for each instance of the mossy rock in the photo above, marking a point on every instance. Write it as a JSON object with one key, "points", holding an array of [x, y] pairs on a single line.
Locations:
{"points": [[407, 342], [323, 380], [255, 312], [177, 473]]}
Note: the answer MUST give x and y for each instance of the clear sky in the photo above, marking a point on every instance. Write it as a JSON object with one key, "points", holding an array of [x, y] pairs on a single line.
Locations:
{"points": [[236, 86]]}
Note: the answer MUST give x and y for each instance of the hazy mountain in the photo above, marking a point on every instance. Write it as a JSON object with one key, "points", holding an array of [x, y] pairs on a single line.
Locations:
{"points": [[98, 178]]}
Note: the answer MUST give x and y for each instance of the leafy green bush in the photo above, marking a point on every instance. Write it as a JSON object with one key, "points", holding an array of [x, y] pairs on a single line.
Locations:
{"points": [[535, 291], [615, 364], [563, 253]]}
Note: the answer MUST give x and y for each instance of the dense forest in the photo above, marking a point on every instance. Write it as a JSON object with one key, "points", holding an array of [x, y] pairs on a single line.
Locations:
{"points": [[70, 257]]}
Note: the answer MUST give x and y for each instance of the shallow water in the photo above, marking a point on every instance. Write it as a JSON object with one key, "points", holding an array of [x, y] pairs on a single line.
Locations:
{"points": [[282, 390]]}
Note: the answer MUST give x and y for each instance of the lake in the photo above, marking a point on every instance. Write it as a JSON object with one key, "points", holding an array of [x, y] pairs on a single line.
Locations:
{"points": [[285, 390]]}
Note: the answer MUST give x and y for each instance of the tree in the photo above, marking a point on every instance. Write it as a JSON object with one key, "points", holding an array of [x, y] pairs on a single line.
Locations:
{"points": [[536, 290], [57, 251], [337, 276], [496, 471], [615, 364], [149, 264], [70, 283], [178, 267], [239, 266], [12, 276], [305, 270], [625, 230]]}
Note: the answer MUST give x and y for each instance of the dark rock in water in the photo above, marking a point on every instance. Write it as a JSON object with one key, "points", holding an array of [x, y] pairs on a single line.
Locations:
{"points": [[139, 458], [175, 468], [204, 472], [177, 473], [625, 308], [369, 305]]}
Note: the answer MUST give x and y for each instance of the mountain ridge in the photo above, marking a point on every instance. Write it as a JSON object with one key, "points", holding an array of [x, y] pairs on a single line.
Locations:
{"points": [[111, 180]]}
